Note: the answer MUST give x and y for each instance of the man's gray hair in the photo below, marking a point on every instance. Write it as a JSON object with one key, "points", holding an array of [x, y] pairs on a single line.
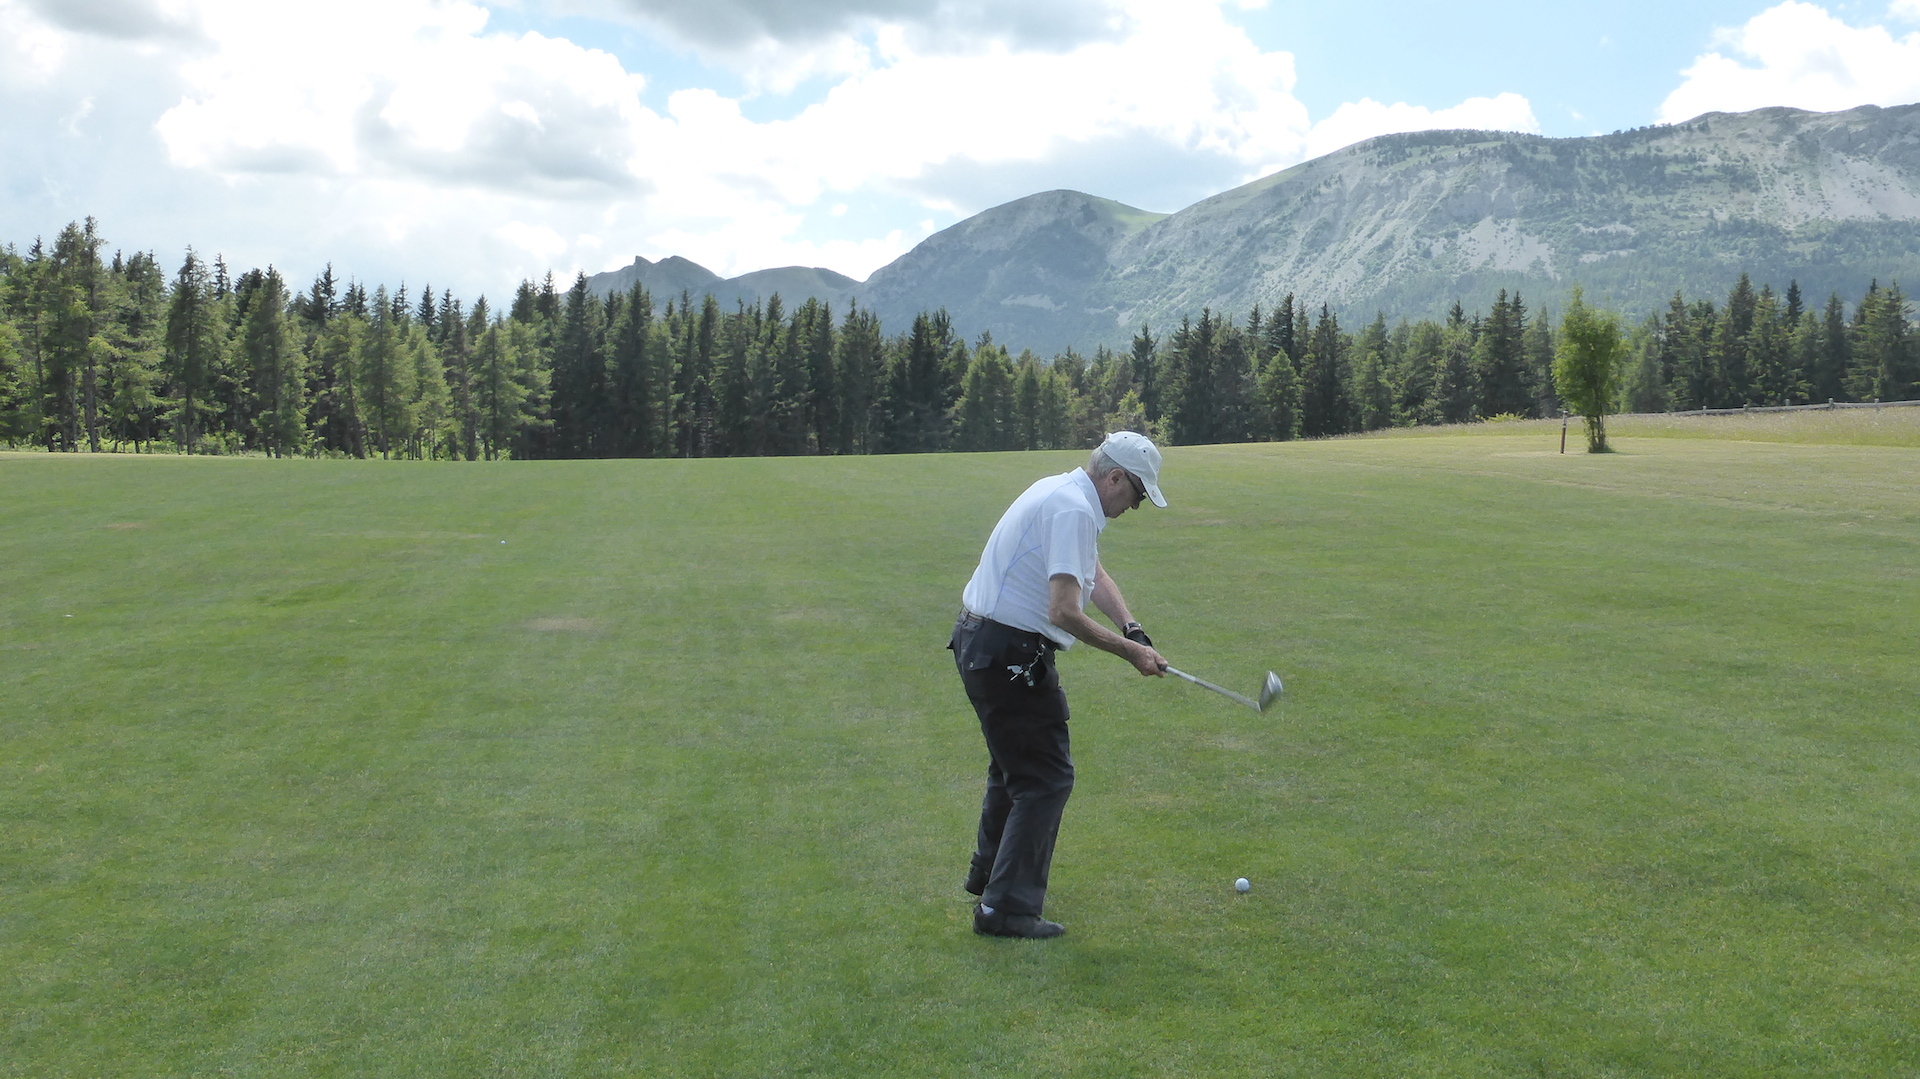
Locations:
{"points": [[1100, 464]]}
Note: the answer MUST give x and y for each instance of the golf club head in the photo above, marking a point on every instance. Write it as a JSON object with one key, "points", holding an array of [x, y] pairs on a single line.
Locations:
{"points": [[1269, 690]]}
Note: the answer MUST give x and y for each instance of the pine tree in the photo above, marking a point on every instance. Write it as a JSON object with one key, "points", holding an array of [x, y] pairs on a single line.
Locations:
{"points": [[1500, 361], [1803, 353], [427, 317], [72, 346], [1189, 398], [739, 419], [456, 353], [1835, 353], [1882, 346], [1324, 375], [337, 419], [499, 389], [196, 343], [919, 391], [1278, 397], [631, 377], [1282, 334], [531, 424], [1233, 382], [1645, 385], [693, 373], [1773, 380], [17, 424], [13, 428], [1026, 402], [1055, 425], [1538, 344], [136, 337], [1422, 365], [430, 409], [26, 292], [1146, 376], [859, 356], [788, 390], [1688, 337], [1729, 382], [278, 370], [1372, 391], [388, 374], [1454, 385], [1104, 381], [823, 389], [984, 416], [579, 374]]}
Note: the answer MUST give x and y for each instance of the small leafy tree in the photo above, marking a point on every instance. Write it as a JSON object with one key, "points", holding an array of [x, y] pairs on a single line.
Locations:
{"points": [[1586, 366]]}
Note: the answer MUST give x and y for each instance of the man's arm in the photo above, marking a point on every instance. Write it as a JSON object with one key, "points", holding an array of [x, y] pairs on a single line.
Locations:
{"points": [[1106, 596], [1063, 610]]}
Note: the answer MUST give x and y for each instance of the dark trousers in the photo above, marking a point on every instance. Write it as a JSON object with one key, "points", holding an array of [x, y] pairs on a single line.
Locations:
{"points": [[1010, 678]]}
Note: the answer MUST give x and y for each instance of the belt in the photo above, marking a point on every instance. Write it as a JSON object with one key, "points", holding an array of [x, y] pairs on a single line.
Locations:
{"points": [[971, 621]]}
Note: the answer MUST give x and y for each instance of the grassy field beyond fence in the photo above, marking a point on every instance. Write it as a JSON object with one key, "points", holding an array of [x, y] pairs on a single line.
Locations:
{"points": [[1591, 765]]}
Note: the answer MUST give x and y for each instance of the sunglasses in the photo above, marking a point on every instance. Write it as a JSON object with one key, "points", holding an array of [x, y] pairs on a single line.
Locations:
{"points": [[1139, 489]]}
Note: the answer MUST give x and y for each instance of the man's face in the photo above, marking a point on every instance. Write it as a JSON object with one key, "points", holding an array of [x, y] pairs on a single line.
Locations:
{"points": [[1120, 491]]}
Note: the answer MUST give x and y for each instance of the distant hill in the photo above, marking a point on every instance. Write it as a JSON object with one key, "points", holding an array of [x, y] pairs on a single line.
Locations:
{"points": [[1034, 272], [1409, 223], [669, 277]]}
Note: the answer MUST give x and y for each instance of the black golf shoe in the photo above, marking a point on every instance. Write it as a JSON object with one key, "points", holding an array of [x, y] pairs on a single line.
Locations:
{"points": [[1024, 926]]}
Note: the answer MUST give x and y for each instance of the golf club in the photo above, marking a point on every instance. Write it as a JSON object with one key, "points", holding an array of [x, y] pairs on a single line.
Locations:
{"points": [[1269, 689]]}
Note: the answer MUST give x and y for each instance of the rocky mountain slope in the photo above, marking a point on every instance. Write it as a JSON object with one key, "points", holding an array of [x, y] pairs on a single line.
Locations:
{"points": [[1409, 223]]}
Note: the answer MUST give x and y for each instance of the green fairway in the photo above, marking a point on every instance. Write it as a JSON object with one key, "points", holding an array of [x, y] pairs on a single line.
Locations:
{"points": [[1590, 766]]}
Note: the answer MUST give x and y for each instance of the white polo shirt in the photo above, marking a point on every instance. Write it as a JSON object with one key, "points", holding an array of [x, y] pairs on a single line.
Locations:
{"points": [[1054, 527]]}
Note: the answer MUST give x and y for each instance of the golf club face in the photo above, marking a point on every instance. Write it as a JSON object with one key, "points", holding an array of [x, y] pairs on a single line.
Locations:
{"points": [[1270, 690]]}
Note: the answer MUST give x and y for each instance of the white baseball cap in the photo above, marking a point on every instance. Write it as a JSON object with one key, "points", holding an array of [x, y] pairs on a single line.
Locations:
{"points": [[1137, 454]]}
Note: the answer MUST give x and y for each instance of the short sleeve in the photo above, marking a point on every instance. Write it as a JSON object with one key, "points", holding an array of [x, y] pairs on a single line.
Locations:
{"points": [[1068, 544]]}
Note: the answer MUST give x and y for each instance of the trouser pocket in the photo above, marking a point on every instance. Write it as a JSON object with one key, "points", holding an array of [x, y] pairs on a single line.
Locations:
{"points": [[996, 654]]}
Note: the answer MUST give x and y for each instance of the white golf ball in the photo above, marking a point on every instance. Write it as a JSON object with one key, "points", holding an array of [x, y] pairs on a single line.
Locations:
{"points": [[1243, 885]]}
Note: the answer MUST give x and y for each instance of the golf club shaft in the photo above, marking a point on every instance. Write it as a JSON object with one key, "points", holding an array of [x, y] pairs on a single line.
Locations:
{"points": [[1223, 691]]}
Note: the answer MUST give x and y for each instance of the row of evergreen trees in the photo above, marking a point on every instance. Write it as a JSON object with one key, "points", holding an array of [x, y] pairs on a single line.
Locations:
{"points": [[1764, 348], [103, 354]]}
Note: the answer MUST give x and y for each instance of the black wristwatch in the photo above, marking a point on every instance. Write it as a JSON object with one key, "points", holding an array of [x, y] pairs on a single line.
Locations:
{"points": [[1132, 632]]}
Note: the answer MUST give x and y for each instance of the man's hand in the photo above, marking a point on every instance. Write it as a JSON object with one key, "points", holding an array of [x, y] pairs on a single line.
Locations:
{"points": [[1146, 660], [1064, 611], [1132, 632]]}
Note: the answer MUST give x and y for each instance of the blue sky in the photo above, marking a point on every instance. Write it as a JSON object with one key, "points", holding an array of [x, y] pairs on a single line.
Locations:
{"points": [[467, 144]]}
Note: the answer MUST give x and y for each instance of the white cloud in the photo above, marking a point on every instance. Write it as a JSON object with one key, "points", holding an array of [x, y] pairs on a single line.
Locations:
{"points": [[740, 29], [1356, 121], [433, 96], [407, 138], [538, 241], [1799, 54], [1905, 9], [37, 48]]}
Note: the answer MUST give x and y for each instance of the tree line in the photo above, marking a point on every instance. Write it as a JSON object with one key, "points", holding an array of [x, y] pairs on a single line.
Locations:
{"points": [[103, 354]]}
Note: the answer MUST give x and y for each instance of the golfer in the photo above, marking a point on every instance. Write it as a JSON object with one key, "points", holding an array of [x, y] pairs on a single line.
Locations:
{"points": [[1027, 600]]}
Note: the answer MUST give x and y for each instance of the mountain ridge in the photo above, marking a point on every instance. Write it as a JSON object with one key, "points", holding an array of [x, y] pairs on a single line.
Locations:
{"points": [[1409, 223]]}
